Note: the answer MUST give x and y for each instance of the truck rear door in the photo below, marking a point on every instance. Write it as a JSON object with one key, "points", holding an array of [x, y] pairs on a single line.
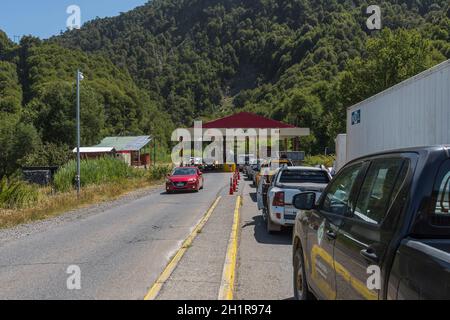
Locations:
{"points": [[361, 241]]}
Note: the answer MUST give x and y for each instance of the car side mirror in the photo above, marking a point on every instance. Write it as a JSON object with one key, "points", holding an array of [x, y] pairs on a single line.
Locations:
{"points": [[305, 201]]}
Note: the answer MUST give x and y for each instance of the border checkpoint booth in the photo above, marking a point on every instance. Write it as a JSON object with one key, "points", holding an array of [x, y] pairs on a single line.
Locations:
{"points": [[250, 121]]}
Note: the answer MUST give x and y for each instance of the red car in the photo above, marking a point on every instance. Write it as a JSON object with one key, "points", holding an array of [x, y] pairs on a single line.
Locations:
{"points": [[185, 179]]}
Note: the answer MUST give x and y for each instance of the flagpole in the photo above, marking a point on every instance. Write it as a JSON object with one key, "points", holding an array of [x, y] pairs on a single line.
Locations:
{"points": [[78, 177]]}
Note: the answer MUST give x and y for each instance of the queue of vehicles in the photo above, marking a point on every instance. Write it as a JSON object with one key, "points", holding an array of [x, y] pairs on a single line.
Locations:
{"points": [[380, 229]]}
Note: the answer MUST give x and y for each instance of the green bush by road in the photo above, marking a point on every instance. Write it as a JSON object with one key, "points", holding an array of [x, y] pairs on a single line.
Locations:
{"points": [[312, 161], [16, 194], [97, 171]]}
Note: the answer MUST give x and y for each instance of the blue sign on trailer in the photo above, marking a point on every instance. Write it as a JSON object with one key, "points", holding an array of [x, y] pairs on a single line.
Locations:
{"points": [[356, 117]]}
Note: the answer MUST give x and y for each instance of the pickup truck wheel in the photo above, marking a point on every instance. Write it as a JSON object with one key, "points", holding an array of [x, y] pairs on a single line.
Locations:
{"points": [[301, 290]]}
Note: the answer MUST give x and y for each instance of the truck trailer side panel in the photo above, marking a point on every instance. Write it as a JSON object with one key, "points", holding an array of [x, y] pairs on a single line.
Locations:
{"points": [[413, 113]]}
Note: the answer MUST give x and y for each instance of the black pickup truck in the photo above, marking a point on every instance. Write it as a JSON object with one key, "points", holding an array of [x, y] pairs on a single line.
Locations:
{"points": [[380, 230]]}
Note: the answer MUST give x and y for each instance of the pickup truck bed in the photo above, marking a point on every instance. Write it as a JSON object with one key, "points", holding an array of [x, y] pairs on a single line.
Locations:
{"points": [[415, 259]]}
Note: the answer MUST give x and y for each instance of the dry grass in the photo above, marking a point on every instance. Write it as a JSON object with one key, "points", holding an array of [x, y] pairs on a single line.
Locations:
{"points": [[53, 205]]}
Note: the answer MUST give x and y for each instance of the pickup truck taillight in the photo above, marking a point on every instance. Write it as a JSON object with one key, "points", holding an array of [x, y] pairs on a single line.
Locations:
{"points": [[278, 199]]}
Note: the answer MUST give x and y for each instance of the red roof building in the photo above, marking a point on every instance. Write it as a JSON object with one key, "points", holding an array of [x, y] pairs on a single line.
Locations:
{"points": [[246, 120]]}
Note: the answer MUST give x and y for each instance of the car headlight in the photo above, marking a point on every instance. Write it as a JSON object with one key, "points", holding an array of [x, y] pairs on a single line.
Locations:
{"points": [[192, 180]]}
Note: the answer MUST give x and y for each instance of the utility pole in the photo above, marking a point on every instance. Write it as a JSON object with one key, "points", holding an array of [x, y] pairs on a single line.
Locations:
{"points": [[78, 177], [154, 151]]}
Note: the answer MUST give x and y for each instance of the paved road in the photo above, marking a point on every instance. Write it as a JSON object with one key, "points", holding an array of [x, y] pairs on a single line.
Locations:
{"points": [[265, 260], [120, 251], [198, 276]]}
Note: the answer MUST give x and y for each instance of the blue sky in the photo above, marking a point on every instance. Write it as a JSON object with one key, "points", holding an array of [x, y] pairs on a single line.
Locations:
{"points": [[44, 18]]}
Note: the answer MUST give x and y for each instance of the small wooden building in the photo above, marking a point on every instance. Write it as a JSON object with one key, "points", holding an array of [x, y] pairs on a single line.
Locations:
{"points": [[95, 152], [135, 151]]}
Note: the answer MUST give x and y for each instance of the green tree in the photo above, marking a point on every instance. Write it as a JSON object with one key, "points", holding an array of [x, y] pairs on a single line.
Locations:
{"points": [[48, 154], [55, 107], [391, 58], [10, 89], [17, 139]]}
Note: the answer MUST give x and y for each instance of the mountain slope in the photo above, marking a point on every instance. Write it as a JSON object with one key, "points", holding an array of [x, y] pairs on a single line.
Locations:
{"points": [[173, 61], [193, 53], [37, 101]]}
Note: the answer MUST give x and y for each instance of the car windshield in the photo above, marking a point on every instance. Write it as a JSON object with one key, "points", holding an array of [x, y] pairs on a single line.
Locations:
{"points": [[304, 176], [184, 172]]}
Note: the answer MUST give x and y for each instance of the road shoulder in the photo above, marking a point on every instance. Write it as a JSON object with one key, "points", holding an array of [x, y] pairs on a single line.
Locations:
{"points": [[198, 276], [39, 226], [264, 260]]}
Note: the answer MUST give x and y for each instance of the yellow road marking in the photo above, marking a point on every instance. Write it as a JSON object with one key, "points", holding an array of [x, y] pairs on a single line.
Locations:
{"points": [[229, 270], [157, 286]]}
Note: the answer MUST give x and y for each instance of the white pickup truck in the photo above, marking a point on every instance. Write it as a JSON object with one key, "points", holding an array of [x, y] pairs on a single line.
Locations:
{"points": [[276, 205]]}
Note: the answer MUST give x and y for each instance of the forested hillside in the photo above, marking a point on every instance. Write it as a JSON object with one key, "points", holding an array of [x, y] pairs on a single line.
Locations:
{"points": [[37, 103], [172, 61], [283, 59]]}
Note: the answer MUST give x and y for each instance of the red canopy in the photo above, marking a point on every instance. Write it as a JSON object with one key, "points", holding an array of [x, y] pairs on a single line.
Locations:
{"points": [[246, 120]]}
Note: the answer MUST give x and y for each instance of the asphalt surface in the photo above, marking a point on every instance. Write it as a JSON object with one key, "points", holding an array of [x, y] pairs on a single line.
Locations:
{"points": [[198, 276], [264, 265], [265, 260], [120, 251]]}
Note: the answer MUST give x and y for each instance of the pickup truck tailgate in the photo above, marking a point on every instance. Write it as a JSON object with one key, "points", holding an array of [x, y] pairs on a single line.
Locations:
{"points": [[290, 212]]}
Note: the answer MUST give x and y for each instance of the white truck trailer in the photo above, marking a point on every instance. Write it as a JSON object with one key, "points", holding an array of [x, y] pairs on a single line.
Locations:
{"points": [[341, 152], [415, 112]]}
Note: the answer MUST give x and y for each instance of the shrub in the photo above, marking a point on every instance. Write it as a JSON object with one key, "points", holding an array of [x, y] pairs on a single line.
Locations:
{"points": [[48, 154], [312, 161], [98, 171], [159, 172], [17, 194]]}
